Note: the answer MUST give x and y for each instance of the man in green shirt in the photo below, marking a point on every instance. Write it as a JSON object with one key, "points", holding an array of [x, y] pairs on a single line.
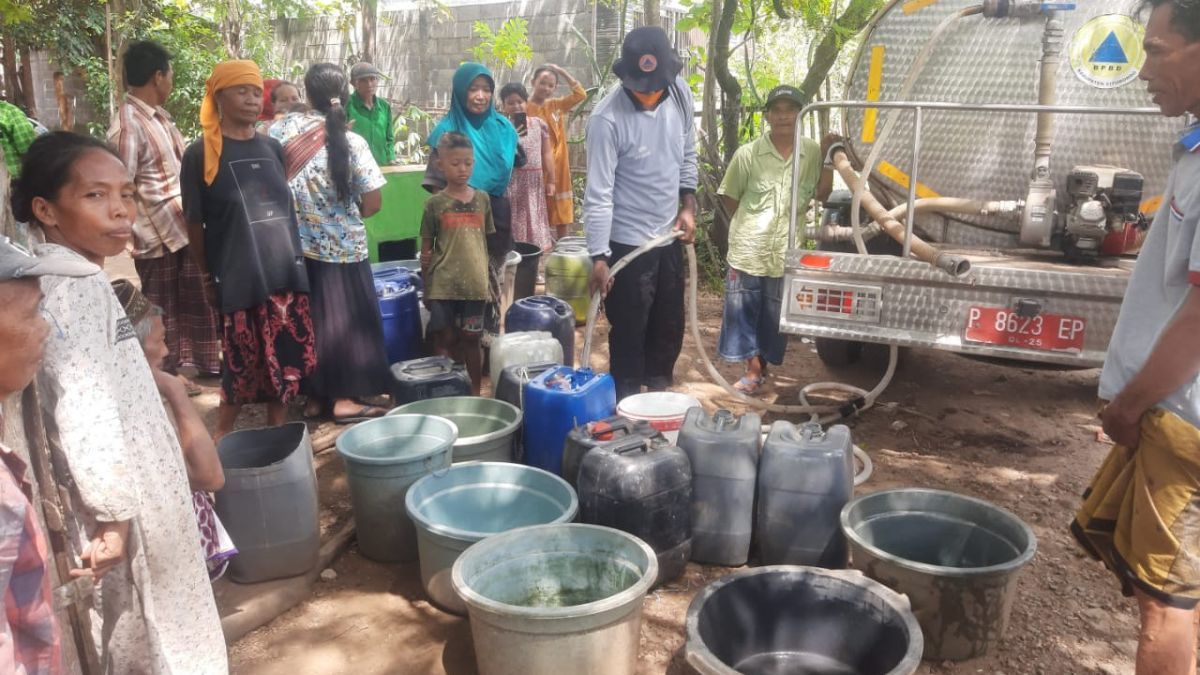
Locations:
{"points": [[757, 191], [370, 115], [16, 135]]}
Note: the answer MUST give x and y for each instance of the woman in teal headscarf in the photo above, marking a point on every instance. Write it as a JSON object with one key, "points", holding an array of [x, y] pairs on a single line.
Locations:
{"points": [[473, 114]]}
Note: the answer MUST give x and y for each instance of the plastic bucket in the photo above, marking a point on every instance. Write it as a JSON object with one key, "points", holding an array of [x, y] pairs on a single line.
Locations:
{"points": [[664, 410], [507, 293], [957, 559], [526, 278], [556, 599], [383, 458], [792, 619], [455, 509], [487, 428], [269, 502]]}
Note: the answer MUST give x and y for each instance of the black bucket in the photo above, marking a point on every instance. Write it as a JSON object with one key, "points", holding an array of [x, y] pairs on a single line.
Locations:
{"points": [[526, 279], [793, 619]]}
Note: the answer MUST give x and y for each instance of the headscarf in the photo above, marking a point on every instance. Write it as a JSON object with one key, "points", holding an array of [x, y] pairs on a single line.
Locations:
{"points": [[268, 109], [224, 75], [492, 135]]}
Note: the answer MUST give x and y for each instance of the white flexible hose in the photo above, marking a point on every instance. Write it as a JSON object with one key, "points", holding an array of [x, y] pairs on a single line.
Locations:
{"points": [[893, 117], [826, 413]]}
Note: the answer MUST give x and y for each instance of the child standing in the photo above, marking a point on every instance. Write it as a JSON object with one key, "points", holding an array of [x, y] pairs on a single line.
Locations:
{"points": [[757, 192], [532, 184], [454, 257]]}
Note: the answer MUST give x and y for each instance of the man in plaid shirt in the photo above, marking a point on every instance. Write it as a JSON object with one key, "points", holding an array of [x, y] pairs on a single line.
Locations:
{"points": [[16, 135], [29, 641]]}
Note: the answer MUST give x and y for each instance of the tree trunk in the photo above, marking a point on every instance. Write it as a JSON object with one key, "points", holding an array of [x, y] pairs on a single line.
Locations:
{"points": [[66, 117], [25, 72], [708, 104], [653, 13], [731, 90], [231, 29], [370, 28], [12, 83], [847, 25]]}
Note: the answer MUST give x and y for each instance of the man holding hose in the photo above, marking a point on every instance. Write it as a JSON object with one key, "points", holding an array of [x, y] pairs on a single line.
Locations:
{"points": [[642, 174]]}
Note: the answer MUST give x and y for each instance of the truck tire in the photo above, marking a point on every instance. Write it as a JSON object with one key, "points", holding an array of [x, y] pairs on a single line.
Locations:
{"points": [[838, 353]]}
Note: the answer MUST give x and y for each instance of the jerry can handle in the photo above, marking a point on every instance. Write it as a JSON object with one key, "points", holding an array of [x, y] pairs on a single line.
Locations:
{"points": [[628, 444]]}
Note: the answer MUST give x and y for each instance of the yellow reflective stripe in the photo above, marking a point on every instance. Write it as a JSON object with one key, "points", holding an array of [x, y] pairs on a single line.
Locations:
{"points": [[900, 178], [915, 5], [874, 88]]}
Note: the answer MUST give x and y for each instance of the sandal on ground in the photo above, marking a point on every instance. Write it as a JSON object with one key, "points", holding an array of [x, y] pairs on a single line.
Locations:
{"points": [[367, 412], [749, 385]]}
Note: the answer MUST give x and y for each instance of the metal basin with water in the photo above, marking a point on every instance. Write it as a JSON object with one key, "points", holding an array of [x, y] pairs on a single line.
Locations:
{"points": [[459, 507], [556, 599], [487, 428], [957, 559], [801, 621]]}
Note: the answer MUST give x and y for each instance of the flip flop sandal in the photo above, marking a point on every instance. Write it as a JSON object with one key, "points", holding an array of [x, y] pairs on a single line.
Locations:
{"points": [[360, 416], [749, 385]]}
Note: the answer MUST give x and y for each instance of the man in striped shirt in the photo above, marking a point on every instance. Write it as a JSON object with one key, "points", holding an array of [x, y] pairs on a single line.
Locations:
{"points": [[145, 137]]}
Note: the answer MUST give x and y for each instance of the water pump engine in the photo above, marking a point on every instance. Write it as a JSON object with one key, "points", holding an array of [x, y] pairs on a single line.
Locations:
{"points": [[1104, 211]]}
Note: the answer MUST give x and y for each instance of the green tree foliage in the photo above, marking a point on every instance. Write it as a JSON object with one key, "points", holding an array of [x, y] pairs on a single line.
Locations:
{"points": [[505, 47]]}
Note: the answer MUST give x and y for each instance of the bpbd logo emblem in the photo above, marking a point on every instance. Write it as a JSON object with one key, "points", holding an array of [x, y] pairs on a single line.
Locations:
{"points": [[1106, 52]]}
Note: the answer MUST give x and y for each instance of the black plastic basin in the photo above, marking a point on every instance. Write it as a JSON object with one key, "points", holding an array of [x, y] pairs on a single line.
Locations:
{"points": [[801, 621]]}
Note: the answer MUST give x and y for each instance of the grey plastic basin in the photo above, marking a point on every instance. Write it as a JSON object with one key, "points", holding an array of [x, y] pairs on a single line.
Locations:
{"points": [[957, 558], [556, 599], [383, 458], [456, 508], [487, 428]]}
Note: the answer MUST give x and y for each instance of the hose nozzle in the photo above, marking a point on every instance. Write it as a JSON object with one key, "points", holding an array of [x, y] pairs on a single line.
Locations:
{"points": [[954, 265]]}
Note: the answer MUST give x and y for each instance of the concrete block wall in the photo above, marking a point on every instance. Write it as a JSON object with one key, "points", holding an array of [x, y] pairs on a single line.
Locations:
{"points": [[43, 71]]}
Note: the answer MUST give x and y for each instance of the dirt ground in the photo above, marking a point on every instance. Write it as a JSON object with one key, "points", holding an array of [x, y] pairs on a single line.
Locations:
{"points": [[1019, 437]]}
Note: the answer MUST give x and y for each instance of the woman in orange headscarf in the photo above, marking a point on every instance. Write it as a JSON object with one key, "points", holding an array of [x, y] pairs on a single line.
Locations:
{"points": [[243, 231]]}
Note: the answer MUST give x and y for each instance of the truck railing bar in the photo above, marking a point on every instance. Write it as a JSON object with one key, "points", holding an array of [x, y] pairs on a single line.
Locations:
{"points": [[918, 108]]}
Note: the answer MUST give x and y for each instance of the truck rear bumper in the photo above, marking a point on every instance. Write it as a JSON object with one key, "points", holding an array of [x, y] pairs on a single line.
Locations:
{"points": [[1024, 308]]}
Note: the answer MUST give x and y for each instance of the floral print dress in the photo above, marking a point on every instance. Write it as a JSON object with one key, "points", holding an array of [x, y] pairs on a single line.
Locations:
{"points": [[115, 448]]}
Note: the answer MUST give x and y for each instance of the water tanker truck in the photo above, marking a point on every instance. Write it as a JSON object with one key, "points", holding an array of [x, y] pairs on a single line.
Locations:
{"points": [[1004, 162]]}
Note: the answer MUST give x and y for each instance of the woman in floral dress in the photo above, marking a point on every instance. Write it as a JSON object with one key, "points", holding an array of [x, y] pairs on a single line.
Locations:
{"points": [[533, 183], [131, 522]]}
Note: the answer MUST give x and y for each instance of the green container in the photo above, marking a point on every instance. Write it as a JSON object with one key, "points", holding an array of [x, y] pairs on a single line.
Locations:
{"points": [[567, 271], [384, 457], [403, 203], [487, 428]]}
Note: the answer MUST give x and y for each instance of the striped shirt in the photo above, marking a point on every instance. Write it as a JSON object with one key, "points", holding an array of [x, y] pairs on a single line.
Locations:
{"points": [[147, 141], [29, 641]]}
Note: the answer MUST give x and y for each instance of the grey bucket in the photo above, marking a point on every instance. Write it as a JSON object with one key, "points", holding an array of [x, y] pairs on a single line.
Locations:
{"points": [[556, 599], [487, 428], [269, 502], [455, 509], [794, 619], [384, 457], [956, 558]]}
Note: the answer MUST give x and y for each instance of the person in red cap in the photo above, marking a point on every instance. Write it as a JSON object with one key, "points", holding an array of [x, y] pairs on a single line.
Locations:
{"points": [[642, 174]]}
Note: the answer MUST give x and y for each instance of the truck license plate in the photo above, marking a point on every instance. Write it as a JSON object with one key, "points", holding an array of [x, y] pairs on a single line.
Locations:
{"points": [[1002, 326]]}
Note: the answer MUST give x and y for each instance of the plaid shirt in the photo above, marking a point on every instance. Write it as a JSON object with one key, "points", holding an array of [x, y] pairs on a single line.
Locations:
{"points": [[29, 642], [16, 135], [147, 141]]}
